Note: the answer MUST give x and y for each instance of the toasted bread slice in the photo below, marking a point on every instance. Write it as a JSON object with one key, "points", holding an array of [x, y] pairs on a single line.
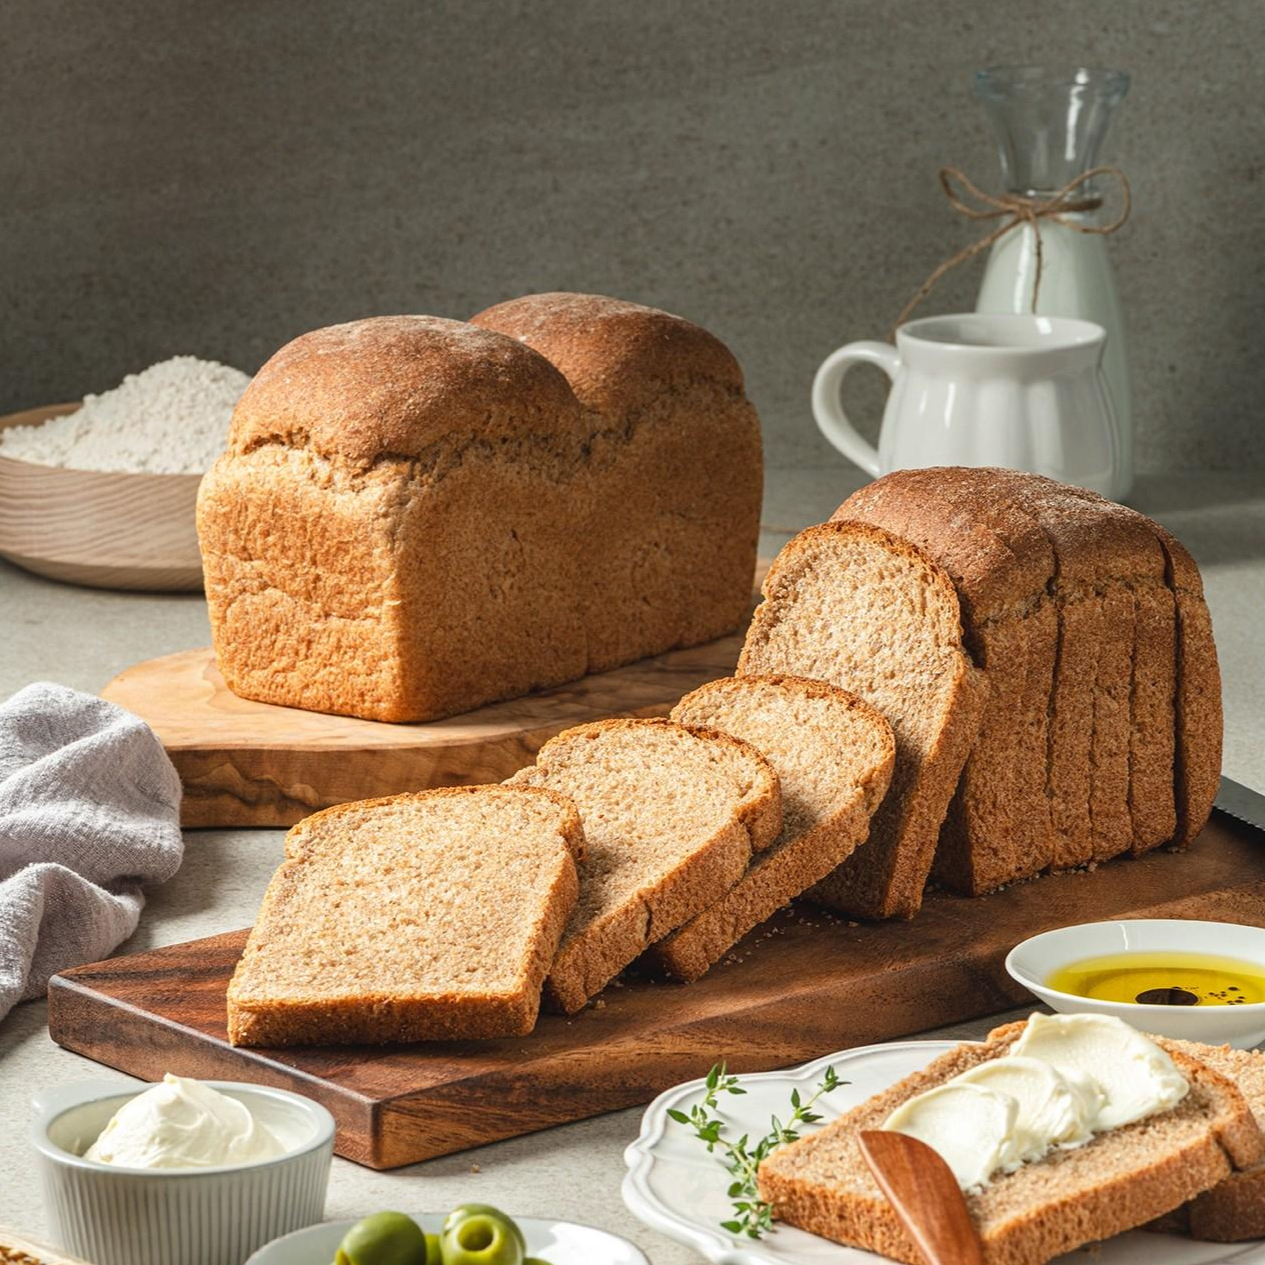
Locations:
{"points": [[1234, 1209], [671, 818], [1120, 1180], [852, 604], [833, 754], [433, 915]]}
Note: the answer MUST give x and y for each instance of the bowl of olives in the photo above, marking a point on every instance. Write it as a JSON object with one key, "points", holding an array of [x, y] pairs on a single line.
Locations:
{"points": [[472, 1234]]}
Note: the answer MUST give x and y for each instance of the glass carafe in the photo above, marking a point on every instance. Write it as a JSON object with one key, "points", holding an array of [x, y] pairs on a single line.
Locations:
{"points": [[1050, 124]]}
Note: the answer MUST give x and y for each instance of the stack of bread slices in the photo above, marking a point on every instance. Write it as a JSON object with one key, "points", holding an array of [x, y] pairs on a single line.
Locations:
{"points": [[1045, 658], [976, 675]]}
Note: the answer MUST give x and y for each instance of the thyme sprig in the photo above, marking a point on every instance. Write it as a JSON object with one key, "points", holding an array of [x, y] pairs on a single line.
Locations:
{"points": [[753, 1216]]}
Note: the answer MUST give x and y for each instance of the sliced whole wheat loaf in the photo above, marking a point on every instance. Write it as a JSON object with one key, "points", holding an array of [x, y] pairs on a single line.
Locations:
{"points": [[998, 828], [1120, 1180], [671, 817], [833, 754], [854, 605], [1146, 678], [1234, 1209], [433, 915], [1101, 558]]}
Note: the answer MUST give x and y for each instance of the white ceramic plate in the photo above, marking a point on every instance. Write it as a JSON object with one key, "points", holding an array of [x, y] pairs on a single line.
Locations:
{"points": [[675, 1187], [558, 1242]]}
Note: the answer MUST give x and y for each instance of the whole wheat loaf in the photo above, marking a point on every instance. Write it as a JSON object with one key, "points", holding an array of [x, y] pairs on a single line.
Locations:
{"points": [[1103, 732], [434, 915], [1116, 1182], [671, 817], [392, 532], [854, 605], [674, 464], [833, 755]]}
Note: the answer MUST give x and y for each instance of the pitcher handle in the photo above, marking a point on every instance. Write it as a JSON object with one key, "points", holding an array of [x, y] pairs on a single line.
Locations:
{"points": [[832, 421]]}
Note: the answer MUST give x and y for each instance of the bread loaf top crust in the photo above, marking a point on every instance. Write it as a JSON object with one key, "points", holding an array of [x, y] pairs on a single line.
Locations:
{"points": [[616, 355], [393, 386]]}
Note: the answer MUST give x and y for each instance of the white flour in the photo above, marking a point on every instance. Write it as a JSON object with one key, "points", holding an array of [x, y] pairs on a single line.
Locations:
{"points": [[170, 419]]}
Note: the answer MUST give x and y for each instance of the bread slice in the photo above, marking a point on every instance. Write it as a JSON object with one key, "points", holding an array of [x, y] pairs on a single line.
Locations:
{"points": [[854, 605], [433, 915], [833, 754], [1118, 1181], [671, 818], [1199, 718], [998, 827], [1234, 1209]]}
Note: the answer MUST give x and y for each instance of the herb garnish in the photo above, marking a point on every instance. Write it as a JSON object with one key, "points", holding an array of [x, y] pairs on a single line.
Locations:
{"points": [[753, 1216]]}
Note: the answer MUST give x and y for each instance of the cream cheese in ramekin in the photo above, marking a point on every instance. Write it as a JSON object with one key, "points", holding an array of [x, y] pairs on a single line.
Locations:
{"points": [[181, 1123]]}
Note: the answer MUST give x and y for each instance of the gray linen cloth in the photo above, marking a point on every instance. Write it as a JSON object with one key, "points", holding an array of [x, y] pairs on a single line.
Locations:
{"points": [[89, 812]]}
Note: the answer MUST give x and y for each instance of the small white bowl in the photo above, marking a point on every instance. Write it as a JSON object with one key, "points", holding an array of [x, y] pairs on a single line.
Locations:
{"points": [[193, 1216], [1033, 961], [558, 1242]]}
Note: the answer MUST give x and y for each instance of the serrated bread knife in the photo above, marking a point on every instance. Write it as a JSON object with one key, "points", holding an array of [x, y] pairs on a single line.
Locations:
{"points": [[1241, 803]]}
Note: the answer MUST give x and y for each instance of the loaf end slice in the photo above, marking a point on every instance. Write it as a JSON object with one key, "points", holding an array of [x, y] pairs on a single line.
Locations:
{"points": [[415, 917], [1117, 1182], [833, 754], [672, 816], [864, 609]]}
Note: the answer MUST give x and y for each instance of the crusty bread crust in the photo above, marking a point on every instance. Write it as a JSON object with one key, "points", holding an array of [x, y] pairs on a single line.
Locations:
{"points": [[1117, 1182], [595, 949], [886, 878], [262, 1014], [393, 531], [797, 860], [616, 355]]}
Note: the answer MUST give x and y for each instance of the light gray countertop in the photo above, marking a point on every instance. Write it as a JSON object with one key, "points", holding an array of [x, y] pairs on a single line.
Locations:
{"points": [[82, 637]]}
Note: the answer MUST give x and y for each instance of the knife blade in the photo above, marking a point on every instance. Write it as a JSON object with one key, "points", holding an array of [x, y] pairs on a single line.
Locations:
{"points": [[1241, 802]]}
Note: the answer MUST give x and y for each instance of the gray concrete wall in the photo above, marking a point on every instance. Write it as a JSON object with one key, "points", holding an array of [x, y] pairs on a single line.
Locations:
{"points": [[217, 177]]}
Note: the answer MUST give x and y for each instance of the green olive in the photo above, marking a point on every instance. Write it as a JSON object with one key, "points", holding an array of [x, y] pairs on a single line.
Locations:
{"points": [[462, 1211], [434, 1250], [483, 1238], [385, 1238]]}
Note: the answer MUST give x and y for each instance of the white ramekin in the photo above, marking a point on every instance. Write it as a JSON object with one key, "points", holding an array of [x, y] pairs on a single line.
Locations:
{"points": [[1035, 960], [199, 1216]]}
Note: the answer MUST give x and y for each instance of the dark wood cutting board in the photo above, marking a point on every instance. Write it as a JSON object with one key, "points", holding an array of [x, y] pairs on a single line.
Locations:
{"points": [[803, 985]]}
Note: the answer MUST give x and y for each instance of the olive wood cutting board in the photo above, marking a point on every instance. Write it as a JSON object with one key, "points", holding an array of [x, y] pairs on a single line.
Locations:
{"points": [[253, 764], [803, 985]]}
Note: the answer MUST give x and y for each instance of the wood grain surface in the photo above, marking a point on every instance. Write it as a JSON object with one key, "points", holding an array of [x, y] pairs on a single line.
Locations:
{"points": [[253, 764], [104, 529], [803, 985]]}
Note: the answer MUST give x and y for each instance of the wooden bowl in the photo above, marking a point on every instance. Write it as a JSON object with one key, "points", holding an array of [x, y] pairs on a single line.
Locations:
{"points": [[104, 529]]}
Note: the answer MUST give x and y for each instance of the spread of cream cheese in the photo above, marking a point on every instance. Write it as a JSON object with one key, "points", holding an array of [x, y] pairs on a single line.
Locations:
{"points": [[1067, 1078], [1136, 1077], [181, 1123]]}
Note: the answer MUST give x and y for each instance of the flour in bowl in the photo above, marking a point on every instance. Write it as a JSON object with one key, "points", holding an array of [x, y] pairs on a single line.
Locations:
{"points": [[171, 419]]}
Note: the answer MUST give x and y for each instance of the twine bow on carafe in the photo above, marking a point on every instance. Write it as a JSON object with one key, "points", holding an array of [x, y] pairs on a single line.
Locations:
{"points": [[1015, 209]]}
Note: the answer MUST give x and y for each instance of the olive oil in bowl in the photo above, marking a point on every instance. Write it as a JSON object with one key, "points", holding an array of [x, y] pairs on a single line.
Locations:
{"points": [[1163, 979]]}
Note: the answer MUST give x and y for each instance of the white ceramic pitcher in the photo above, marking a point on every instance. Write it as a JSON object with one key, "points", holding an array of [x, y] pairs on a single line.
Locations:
{"points": [[1021, 392]]}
